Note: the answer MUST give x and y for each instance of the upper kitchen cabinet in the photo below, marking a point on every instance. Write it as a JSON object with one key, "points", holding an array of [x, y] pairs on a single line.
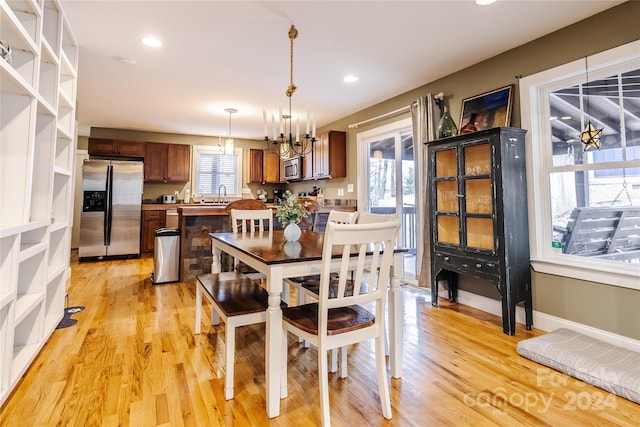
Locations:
{"points": [[272, 168], [330, 155], [167, 162], [307, 166], [264, 167], [112, 147], [254, 166]]}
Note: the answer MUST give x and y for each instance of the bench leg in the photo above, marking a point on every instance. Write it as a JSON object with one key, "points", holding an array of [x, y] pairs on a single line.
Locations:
{"points": [[230, 347]]}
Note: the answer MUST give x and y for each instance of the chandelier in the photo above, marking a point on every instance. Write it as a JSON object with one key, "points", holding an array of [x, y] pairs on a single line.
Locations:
{"points": [[285, 142]]}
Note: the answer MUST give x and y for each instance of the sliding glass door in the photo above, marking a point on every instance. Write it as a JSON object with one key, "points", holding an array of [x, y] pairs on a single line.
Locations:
{"points": [[387, 182]]}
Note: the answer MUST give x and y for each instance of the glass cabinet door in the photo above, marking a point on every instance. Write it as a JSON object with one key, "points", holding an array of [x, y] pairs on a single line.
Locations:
{"points": [[478, 197], [447, 204]]}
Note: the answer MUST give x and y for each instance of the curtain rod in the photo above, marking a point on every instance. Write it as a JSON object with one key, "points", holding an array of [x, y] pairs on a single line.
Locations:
{"points": [[382, 116], [438, 97]]}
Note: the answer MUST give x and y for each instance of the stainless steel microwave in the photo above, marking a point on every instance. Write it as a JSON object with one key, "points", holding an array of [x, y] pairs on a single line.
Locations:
{"points": [[293, 169]]}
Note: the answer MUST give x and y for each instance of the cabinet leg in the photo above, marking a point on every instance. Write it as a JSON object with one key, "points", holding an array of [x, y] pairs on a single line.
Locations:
{"points": [[528, 308], [434, 290], [452, 281]]}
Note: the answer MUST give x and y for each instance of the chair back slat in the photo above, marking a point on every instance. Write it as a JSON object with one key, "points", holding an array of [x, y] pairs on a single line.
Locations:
{"points": [[250, 221], [375, 241], [370, 218], [342, 217]]}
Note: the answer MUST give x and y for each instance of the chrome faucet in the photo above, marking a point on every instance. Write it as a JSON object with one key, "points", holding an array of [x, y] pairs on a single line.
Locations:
{"points": [[225, 193]]}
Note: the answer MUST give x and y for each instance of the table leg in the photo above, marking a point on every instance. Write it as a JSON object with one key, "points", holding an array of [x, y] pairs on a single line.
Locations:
{"points": [[273, 346], [396, 311], [215, 259]]}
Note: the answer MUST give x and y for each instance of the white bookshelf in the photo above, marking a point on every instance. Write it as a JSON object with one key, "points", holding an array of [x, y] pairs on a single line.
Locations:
{"points": [[37, 154]]}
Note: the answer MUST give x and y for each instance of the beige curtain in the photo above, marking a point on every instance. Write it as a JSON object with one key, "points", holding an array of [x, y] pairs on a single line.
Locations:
{"points": [[425, 114]]}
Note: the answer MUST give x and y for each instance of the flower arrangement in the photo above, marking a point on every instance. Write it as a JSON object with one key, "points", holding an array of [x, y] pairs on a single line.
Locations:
{"points": [[291, 210]]}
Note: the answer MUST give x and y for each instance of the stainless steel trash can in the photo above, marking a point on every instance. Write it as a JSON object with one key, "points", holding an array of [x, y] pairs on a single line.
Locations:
{"points": [[166, 256]]}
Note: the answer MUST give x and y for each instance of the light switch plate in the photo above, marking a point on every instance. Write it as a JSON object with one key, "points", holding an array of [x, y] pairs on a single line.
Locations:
{"points": [[349, 188], [340, 191]]}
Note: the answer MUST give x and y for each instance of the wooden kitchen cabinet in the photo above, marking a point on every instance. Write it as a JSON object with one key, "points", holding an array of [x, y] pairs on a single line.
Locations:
{"points": [[330, 155], [307, 166], [272, 168], [478, 211], [167, 162], [151, 221], [265, 167], [255, 166], [114, 147]]}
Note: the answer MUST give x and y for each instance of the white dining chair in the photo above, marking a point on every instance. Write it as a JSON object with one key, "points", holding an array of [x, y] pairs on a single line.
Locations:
{"points": [[344, 317], [250, 221], [306, 286]]}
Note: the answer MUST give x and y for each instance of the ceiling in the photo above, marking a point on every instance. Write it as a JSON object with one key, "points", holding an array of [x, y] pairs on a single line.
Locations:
{"points": [[221, 54]]}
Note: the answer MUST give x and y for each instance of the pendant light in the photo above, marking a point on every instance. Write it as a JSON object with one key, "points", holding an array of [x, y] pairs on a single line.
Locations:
{"points": [[590, 136], [229, 144]]}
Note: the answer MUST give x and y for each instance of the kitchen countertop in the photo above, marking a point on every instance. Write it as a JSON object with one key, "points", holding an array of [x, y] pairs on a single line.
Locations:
{"points": [[196, 209]]}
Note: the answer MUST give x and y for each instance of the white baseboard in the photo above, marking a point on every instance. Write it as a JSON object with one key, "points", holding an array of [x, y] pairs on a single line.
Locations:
{"points": [[543, 321]]}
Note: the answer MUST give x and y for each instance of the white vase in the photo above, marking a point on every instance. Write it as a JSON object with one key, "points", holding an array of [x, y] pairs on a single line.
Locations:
{"points": [[292, 232]]}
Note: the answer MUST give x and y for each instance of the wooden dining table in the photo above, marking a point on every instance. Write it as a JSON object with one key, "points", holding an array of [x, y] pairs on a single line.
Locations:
{"points": [[269, 253]]}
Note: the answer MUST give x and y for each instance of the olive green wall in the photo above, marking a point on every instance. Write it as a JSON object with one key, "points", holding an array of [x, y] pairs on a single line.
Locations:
{"points": [[601, 306]]}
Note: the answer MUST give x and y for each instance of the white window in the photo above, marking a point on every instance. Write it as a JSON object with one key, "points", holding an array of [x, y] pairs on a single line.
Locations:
{"points": [[585, 204], [214, 172]]}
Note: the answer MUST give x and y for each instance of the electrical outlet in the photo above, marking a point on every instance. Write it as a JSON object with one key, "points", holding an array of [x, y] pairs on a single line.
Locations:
{"points": [[246, 190], [349, 188], [340, 191]]}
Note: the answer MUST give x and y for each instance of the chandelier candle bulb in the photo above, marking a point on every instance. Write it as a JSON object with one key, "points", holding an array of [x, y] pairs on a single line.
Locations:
{"points": [[264, 119], [308, 120], [313, 134], [298, 129], [281, 121], [273, 123]]}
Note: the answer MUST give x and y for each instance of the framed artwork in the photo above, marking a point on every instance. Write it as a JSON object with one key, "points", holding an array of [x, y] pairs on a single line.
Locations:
{"points": [[487, 110]]}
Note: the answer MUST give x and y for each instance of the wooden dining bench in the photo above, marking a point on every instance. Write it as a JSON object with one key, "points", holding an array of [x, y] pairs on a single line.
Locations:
{"points": [[238, 301]]}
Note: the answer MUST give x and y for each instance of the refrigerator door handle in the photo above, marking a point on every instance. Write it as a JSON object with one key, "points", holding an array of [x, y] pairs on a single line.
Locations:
{"points": [[108, 211]]}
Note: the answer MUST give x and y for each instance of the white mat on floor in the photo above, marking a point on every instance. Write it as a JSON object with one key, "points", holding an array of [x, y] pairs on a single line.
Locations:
{"points": [[612, 368]]}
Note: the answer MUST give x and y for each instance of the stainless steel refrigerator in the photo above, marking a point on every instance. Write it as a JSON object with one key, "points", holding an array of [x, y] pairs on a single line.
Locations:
{"points": [[110, 218]]}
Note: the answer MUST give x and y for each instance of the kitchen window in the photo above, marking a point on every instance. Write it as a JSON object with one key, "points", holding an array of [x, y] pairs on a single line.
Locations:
{"points": [[585, 204], [214, 171]]}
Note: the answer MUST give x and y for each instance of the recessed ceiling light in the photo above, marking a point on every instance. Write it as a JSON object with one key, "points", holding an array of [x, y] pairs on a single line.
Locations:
{"points": [[350, 79], [485, 2], [152, 41]]}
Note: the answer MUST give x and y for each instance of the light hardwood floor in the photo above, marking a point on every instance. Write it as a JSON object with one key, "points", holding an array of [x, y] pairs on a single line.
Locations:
{"points": [[133, 360]]}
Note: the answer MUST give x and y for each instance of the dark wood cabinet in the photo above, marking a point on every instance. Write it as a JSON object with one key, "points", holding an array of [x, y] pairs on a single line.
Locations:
{"points": [[255, 166], [265, 167], [167, 162], [478, 212], [113, 147], [330, 155], [151, 221]]}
